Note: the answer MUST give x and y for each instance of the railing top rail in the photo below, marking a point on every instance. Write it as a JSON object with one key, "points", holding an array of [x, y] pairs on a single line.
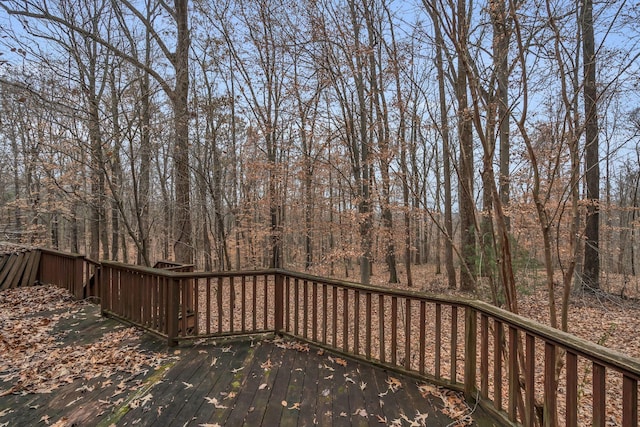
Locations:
{"points": [[61, 254]]}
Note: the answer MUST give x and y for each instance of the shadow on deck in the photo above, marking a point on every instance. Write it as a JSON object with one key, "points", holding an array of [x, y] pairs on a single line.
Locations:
{"points": [[269, 382]]}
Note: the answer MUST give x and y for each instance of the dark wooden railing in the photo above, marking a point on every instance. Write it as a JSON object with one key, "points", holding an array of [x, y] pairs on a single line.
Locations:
{"points": [[521, 371], [76, 273]]}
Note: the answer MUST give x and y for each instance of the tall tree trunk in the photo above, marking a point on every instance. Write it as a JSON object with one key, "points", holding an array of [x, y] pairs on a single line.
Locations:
{"points": [[183, 249], [446, 151], [465, 176], [591, 278], [501, 38], [362, 174]]}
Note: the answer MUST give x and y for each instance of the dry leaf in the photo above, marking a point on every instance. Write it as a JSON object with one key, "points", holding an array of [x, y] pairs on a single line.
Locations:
{"points": [[341, 362], [262, 386], [215, 402], [394, 384], [361, 412]]}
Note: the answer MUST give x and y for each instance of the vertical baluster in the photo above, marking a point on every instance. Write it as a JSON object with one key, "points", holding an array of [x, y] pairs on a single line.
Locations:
{"points": [[232, 303], [305, 308], [208, 292], [356, 322], [407, 334], [529, 381], [334, 321], [255, 302], [550, 405], [369, 326], [629, 402], [454, 344], [296, 306], [381, 317], [497, 364], [514, 382], [394, 329], [599, 395], [423, 334], [324, 313], [345, 319], [219, 298], [266, 301], [572, 389], [484, 355], [314, 309], [243, 285], [438, 352], [287, 304]]}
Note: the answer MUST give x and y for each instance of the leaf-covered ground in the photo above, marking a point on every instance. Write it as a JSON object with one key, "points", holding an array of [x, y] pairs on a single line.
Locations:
{"points": [[42, 353]]}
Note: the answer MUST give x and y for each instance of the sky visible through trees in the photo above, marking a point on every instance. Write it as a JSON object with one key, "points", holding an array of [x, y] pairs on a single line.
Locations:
{"points": [[345, 138]]}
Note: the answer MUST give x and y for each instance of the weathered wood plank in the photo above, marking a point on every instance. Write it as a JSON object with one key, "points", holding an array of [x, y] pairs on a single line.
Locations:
{"points": [[6, 269]]}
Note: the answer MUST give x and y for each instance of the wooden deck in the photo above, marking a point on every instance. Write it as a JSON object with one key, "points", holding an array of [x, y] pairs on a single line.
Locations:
{"points": [[269, 382]]}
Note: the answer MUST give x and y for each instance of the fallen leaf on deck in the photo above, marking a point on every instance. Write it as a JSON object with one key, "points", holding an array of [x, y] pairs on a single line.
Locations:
{"points": [[295, 406], [187, 385], [61, 422], [361, 412], [426, 389], [284, 403], [421, 418], [394, 384], [341, 362], [262, 386], [382, 420], [215, 402]]}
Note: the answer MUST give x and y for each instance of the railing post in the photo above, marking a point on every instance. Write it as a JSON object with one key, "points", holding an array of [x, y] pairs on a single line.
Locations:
{"points": [[78, 276], [279, 302], [470, 350], [173, 301]]}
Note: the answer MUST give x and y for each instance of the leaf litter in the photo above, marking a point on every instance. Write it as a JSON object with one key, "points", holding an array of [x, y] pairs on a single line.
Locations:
{"points": [[35, 357]]}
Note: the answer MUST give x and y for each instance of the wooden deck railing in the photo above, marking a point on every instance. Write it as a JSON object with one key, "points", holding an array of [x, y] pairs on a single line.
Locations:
{"points": [[76, 273], [518, 369]]}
